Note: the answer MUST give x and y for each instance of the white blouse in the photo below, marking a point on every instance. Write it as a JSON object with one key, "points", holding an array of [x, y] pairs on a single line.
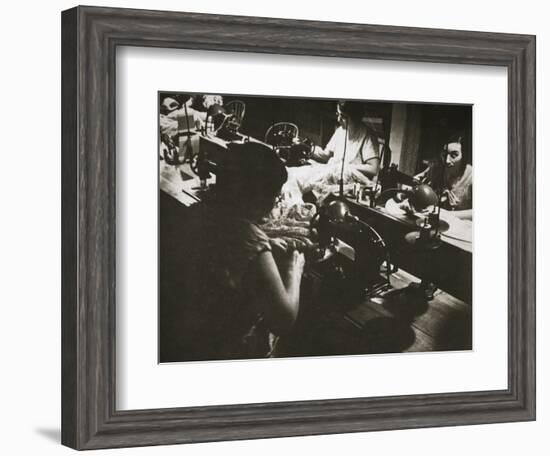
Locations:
{"points": [[359, 149]]}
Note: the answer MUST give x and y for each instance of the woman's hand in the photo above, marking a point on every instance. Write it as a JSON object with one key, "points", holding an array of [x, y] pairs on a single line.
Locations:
{"points": [[352, 173], [279, 246], [286, 244], [296, 263], [288, 256], [451, 198]]}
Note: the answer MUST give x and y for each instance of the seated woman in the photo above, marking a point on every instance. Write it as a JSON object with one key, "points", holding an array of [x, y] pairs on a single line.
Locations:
{"points": [[451, 175], [353, 142], [234, 293], [354, 139]]}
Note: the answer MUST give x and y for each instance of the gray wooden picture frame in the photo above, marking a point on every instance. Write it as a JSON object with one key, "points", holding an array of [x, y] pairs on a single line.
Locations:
{"points": [[90, 36]]}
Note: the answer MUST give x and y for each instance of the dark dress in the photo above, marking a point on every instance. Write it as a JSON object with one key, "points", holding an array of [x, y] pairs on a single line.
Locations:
{"points": [[215, 318]]}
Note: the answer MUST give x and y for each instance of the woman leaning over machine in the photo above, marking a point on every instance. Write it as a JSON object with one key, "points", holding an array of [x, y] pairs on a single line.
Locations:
{"points": [[235, 295]]}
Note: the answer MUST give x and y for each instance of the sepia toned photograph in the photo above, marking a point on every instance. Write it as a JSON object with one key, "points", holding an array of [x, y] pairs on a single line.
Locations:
{"points": [[300, 227]]}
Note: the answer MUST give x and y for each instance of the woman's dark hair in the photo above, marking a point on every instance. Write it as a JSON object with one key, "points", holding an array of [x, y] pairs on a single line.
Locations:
{"points": [[355, 110], [437, 163], [249, 176], [460, 138]]}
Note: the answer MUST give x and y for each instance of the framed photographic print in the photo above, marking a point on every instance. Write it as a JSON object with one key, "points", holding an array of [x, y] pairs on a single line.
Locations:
{"points": [[276, 227]]}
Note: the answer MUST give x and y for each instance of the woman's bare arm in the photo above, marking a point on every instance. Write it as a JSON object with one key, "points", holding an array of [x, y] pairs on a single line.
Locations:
{"points": [[277, 294], [369, 169], [321, 155]]}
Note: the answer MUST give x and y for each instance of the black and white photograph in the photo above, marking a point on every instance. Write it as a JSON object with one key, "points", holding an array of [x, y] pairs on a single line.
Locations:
{"points": [[307, 227], [252, 228]]}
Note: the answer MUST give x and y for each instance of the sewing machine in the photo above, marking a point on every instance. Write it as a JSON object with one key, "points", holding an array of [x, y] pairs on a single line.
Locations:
{"points": [[214, 152], [353, 257]]}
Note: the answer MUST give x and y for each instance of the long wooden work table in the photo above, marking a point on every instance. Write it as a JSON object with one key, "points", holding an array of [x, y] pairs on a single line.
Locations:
{"points": [[395, 321]]}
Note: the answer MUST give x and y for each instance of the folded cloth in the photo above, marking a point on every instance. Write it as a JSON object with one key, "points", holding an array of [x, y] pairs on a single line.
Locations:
{"points": [[321, 180]]}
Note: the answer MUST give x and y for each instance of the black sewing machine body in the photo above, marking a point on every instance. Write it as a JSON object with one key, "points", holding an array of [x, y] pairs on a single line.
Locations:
{"points": [[352, 254], [297, 153], [215, 154]]}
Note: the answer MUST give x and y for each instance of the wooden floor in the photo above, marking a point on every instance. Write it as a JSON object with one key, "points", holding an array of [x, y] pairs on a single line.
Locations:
{"points": [[443, 323], [399, 321]]}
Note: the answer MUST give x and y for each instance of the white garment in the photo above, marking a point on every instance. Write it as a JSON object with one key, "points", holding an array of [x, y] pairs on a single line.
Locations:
{"points": [[358, 149], [188, 119]]}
